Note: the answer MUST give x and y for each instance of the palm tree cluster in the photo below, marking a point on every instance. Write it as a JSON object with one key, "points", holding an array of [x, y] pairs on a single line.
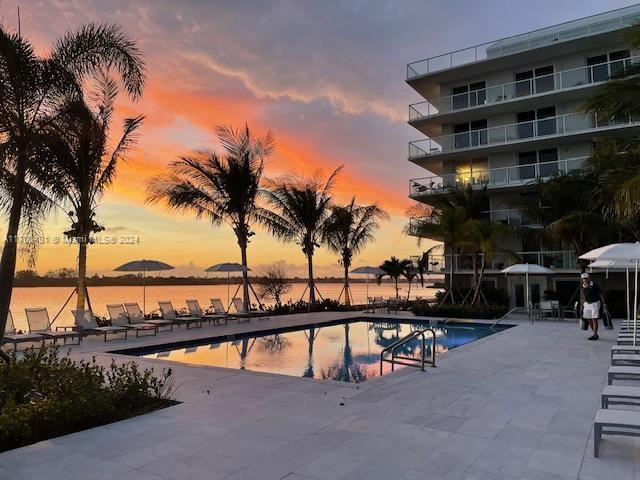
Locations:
{"points": [[53, 138], [230, 187]]}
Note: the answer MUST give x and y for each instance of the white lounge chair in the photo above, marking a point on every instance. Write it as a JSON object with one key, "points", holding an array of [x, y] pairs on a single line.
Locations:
{"points": [[630, 359], [219, 309], [620, 395], [119, 318], [136, 316], [169, 313], [11, 336], [624, 349], [38, 320], [88, 325], [622, 373], [243, 312], [196, 311], [614, 422]]}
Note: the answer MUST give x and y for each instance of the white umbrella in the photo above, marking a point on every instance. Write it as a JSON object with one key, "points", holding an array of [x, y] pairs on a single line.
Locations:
{"points": [[368, 271], [527, 269], [144, 266], [228, 267], [626, 253]]}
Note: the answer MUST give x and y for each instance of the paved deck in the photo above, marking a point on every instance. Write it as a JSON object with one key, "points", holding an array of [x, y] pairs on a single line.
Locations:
{"points": [[516, 405]]}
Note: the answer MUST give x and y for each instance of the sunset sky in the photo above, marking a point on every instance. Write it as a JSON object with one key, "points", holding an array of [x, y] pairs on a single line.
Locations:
{"points": [[326, 77]]}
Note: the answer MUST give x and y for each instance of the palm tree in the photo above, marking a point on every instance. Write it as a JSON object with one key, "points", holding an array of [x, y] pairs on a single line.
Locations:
{"points": [[348, 230], [395, 268], [83, 168], [409, 273], [31, 88], [302, 206], [222, 188]]}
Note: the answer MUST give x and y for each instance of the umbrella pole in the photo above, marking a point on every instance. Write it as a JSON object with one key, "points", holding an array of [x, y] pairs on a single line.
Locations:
{"points": [[144, 293], [635, 307], [366, 300], [628, 306], [526, 276], [228, 280]]}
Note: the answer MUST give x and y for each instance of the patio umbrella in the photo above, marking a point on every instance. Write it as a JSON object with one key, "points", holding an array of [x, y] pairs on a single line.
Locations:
{"points": [[527, 269], [626, 253], [144, 266], [228, 267], [368, 271]]}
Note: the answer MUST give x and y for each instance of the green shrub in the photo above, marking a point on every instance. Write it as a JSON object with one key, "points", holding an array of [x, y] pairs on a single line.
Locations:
{"points": [[481, 311], [43, 395]]}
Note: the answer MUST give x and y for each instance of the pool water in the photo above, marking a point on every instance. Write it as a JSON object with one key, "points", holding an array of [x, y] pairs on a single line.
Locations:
{"points": [[348, 351]]}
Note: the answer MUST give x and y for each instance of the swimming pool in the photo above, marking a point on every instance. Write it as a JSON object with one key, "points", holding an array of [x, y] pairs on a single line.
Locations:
{"points": [[347, 351]]}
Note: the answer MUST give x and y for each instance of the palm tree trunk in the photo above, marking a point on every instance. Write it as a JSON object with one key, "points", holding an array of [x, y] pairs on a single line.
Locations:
{"points": [[10, 250], [409, 289], [347, 292], [82, 273], [245, 277], [478, 286], [312, 286], [397, 292]]}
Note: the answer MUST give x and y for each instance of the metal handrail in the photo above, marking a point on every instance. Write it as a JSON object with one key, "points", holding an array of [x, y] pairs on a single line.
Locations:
{"points": [[410, 361], [582, 27], [561, 80]]}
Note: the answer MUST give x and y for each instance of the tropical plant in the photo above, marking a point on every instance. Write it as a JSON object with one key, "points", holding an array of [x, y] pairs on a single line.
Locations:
{"points": [[348, 230], [394, 268], [31, 88], [302, 206], [410, 273], [222, 188], [274, 283], [83, 167]]}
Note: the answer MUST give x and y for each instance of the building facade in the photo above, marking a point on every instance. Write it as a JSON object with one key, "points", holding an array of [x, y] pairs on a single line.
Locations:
{"points": [[507, 114]]}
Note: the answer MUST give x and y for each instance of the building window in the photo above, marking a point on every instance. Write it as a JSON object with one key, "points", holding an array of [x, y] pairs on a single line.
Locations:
{"points": [[470, 134], [535, 123], [608, 64], [547, 160], [466, 96], [539, 80]]}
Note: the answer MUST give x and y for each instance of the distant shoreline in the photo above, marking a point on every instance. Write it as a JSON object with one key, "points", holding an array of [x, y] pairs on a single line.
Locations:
{"points": [[171, 281]]}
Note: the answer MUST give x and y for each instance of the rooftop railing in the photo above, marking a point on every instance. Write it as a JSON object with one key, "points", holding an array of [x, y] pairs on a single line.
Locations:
{"points": [[545, 127], [516, 175], [563, 80], [583, 27]]}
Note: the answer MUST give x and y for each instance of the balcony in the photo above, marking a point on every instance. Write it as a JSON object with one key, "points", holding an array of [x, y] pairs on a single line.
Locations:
{"points": [[550, 127], [416, 223], [513, 217], [514, 176], [560, 260], [547, 84], [584, 27]]}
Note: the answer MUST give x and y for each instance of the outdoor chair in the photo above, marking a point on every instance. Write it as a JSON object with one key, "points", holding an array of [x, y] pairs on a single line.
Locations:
{"points": [[196, 311], [622, 373], [624, 349], [119, 318], [614, 422], [88, 325], [218, 309], [629, 359], [11, 336], [620, 395], [136, 316], [169, 313], [38, 320], [239, 306], [378, 304]]}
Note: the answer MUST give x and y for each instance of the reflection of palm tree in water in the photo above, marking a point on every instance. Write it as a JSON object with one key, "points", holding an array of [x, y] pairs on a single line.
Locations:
{"points": [[273, 343], [380, 329], [348, 371], [311, 338]]}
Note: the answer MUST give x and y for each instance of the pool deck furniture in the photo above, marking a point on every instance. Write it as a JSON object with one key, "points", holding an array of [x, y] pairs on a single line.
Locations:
{"points": [[622, 373], [120, 318], [620, 395], [38, 320], [624, 349], [630, 359], [614, 422], [195, 310], [136, 316], [87, 324], [243, 312], [169, 313], [14, 338], [218, 309]]}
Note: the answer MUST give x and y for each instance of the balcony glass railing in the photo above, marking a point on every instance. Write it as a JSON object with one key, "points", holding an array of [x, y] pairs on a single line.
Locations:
{"points": [[494, 177], [554, 82], [545, 127], [595, 24], [555, 260]]}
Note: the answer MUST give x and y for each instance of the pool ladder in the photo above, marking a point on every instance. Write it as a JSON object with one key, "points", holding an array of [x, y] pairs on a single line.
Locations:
{"points": [[410, 361]]}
